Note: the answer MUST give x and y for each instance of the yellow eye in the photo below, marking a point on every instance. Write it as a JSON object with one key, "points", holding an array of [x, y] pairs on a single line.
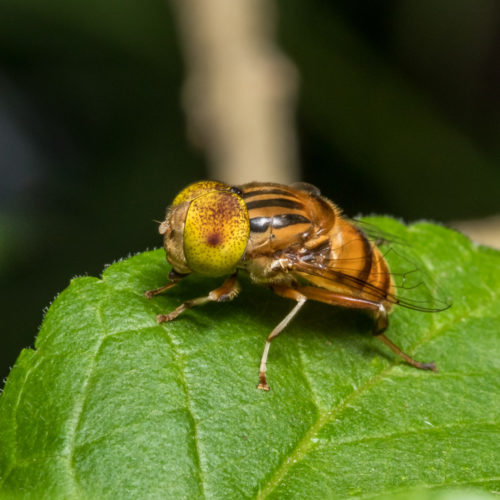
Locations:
{"points": [[216, 231], [197, 189]]}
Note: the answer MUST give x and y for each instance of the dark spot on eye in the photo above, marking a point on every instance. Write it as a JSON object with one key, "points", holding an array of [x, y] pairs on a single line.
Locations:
{"points": [[214, 239]]}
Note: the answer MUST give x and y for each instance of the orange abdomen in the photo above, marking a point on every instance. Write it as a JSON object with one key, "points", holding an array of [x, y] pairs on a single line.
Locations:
{"points": [[359, 266]]}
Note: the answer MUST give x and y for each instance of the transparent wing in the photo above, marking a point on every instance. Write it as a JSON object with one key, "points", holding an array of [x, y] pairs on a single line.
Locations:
{"points": [[414, 287], [377, 235], [306, 187]]}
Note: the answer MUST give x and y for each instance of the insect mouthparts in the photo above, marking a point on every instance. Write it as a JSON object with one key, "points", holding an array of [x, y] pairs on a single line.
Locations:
{"points": [[164, 227]]}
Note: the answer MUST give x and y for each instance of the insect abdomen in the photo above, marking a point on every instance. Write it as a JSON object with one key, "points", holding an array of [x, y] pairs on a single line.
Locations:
{"points": [[354, 266]]}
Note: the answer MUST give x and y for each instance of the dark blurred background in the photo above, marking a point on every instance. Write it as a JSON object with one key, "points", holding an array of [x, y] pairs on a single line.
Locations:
{"points": [[398, 113]]}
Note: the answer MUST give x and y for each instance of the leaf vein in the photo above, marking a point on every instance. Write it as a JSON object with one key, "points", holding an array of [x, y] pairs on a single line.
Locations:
{"points": [[189, 407], [80, 402], [429, 486], [14, 420], [419, 430], [305, 444]]}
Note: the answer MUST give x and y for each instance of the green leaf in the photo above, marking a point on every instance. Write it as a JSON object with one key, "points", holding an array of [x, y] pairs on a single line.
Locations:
{"points": [[111, 404]]}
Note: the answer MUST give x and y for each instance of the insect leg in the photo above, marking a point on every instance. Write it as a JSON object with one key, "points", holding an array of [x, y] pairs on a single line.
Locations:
{"points": [[301, 300], [381, 318], [174, 278], [151, 293], [381, 323], [227, 291]]}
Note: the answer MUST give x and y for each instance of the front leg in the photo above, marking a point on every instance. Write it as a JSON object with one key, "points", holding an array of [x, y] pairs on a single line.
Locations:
{"points": [[174, 278], [149, 294], [227, 291]]}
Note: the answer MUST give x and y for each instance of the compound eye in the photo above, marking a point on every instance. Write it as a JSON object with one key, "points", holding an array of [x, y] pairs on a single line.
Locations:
{"points": [[199, 189], [216, 233]]}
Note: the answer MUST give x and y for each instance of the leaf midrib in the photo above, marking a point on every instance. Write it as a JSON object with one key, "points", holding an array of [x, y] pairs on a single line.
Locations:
{"points": [[326, 417], [306, 442]]}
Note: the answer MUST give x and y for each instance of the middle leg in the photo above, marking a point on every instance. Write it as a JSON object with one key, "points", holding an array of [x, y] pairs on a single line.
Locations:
{"points": [[289, 293]]}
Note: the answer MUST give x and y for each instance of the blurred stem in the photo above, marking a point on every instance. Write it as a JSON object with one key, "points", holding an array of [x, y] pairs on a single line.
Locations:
{"points": [[484, 231], [240, 91]]}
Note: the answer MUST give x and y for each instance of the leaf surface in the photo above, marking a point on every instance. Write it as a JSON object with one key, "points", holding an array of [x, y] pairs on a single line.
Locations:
{"points": [[111, 404]]}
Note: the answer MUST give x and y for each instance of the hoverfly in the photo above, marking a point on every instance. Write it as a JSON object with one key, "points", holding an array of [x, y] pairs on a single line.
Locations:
{"points": [[287, 237]]}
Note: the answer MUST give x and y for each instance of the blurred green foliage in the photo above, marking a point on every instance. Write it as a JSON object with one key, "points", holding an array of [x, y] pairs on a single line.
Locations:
{"points": [[386, 143], [398, 113]]}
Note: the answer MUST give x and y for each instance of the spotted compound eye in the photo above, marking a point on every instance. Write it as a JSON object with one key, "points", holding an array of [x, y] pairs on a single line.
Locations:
{"points": [[216, 231], [198, 189]]}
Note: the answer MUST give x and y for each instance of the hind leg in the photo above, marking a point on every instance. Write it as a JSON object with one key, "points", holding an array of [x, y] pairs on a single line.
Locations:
{"points": [[380, 314], [381, 323]]}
